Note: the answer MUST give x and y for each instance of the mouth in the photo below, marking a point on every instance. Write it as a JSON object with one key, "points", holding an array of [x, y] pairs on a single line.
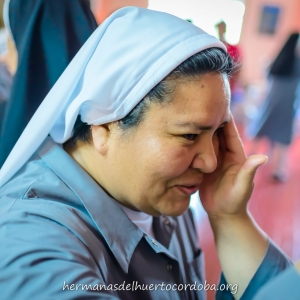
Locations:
{"points": [[187, 189]]}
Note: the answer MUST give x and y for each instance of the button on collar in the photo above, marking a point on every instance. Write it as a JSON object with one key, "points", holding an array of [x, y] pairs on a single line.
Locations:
{"points": [[166, 220], [154, 243]]}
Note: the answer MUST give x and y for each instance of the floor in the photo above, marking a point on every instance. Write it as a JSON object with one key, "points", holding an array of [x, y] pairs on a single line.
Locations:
{"points": [[275, 206]]}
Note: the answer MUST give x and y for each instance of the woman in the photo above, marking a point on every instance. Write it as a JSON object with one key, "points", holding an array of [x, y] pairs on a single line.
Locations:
{"points": [[138, 121], [276, 118], [47, 35]]}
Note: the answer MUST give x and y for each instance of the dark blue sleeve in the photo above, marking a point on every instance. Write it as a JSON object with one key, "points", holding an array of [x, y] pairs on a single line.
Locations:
{"points": [[284, 286], [273, 263]]}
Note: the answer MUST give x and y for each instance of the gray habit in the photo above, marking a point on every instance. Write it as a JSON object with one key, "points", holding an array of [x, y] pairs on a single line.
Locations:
{"points": [[60, 231]]}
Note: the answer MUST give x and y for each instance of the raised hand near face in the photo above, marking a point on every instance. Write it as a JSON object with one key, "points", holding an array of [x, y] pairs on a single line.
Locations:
{"points": [[241, 244], [226, 191]]}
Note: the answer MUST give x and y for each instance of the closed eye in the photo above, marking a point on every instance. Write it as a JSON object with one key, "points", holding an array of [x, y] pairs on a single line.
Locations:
{"points": [[190, 137]]}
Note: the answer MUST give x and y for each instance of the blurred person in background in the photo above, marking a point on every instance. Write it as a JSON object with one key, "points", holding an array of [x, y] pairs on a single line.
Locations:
{"points": [[275, 119], [235, 52], [7, 70], [7, 63], [46, 34]]}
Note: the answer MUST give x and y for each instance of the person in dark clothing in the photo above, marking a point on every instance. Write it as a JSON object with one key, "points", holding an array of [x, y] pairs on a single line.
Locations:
{"points": [[276, 117], [5, 88], [47, 35]]}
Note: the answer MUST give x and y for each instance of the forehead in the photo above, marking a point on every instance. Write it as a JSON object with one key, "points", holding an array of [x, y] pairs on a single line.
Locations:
{"points": [[206, 99]]}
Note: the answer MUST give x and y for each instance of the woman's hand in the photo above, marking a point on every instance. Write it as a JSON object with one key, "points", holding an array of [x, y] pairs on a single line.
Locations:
{"points": [[227, 190], [224, 193]]}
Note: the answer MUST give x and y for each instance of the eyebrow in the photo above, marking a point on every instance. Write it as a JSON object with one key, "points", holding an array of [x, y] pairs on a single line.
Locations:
{"points": [[196, 126]]}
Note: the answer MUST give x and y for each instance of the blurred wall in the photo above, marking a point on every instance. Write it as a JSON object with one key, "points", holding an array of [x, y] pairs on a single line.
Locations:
{"points": [[103, 8], [260, 49]]}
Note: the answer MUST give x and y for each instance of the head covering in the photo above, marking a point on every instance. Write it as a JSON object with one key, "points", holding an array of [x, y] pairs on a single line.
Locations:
{"points": [[284, 62], [129, 54], [47, 35]]}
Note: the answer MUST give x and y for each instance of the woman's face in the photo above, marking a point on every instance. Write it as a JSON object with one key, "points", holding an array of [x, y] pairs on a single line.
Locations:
{"points": [[156, 167]]}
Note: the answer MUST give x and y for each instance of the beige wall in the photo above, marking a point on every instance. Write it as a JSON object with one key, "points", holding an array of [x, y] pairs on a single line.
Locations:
{"points": [[103, 8], [260, 49]]}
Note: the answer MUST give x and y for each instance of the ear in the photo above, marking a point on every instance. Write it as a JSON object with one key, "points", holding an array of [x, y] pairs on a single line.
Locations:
{"points": [[101, 135]]}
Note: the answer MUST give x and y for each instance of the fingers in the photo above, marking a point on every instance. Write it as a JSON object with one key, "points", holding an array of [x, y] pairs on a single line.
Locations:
{"points": [[222, 148], [247, 172], [232, 139]]}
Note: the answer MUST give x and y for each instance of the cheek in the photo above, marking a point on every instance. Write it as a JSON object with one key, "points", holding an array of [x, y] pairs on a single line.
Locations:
{"points": [[162, 159], [173, 161], [159, 158]]}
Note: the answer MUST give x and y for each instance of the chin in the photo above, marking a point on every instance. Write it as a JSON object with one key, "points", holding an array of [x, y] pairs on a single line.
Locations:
{"points": [[177, 209], [177, 213]]}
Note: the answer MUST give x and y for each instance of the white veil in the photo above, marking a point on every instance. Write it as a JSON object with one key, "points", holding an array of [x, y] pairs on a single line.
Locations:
{"points": [[131, 52]]}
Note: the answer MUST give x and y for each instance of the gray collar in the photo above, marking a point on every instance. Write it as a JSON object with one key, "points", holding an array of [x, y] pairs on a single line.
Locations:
{"points": [[120, 234]]}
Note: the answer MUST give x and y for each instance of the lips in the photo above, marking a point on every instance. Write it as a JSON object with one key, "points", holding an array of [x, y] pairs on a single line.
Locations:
{"points": [[188, 189]]}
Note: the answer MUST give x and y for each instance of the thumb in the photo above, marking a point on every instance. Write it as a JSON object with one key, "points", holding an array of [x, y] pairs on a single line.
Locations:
{"points": [[247, 171]]}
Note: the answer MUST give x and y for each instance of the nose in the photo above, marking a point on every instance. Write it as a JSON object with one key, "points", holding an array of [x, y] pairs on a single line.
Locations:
{"points": [[205, 158]]}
